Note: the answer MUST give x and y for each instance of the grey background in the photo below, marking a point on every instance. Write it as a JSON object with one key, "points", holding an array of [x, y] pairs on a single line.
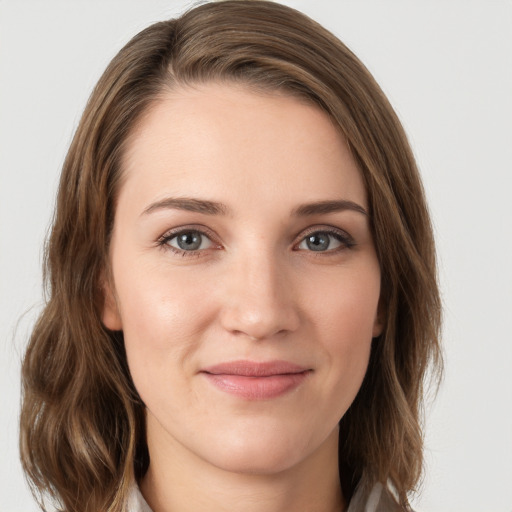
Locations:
{"points": [[447, 68]]}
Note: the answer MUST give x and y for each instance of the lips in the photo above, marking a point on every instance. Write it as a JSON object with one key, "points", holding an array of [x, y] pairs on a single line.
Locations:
{"points": [[256, 380]]}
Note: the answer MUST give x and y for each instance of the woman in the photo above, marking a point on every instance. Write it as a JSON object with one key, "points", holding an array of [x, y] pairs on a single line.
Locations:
{"points": [[243, 299]]}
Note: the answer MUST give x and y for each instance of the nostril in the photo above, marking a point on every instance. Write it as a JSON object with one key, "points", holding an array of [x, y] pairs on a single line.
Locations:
{"points": [[265, 333]]}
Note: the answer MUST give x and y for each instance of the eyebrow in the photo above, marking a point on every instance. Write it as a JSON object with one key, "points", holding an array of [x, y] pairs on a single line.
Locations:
{"points": [[215, 208], [324, 207], [188, 204]]}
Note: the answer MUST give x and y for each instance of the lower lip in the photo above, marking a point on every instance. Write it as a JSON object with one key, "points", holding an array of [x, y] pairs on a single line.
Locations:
{"points": [[257, 388]]}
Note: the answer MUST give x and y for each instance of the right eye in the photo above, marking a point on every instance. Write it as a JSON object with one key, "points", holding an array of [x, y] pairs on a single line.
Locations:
{"points": [[187, 241]]}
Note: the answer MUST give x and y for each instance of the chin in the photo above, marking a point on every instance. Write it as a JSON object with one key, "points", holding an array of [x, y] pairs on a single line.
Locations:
{"points": [[256, 451], [261, 461]]}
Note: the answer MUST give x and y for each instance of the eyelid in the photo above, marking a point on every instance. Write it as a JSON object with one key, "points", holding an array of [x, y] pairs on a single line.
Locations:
{"points": [[343, 236], [340, 234], [163, 240]]}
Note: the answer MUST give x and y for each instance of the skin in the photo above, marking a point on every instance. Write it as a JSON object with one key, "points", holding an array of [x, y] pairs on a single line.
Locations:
{"points": [[254, 290]]}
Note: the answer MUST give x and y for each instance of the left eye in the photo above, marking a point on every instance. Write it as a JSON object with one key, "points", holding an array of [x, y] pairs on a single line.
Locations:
{"points": [[321, 241], [189, 241]]}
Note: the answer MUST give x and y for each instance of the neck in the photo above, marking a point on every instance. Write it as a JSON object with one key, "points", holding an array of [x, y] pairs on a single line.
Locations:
{"points": [[178, 481]]}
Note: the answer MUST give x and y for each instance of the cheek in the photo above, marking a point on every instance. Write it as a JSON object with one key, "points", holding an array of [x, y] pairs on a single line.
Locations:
{"points": [[346, 305], [345, 318], [158, 302], [161, 322]]}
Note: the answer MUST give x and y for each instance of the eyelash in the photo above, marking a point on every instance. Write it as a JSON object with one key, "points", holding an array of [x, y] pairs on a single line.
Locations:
{"points": [[163, 241], [347, 242]]}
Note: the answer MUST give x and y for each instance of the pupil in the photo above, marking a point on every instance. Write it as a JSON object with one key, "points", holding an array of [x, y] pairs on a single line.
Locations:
{"points": [[189, 241], [318, 242]]}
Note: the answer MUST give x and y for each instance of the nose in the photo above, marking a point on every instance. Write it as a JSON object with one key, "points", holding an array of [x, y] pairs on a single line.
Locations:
{"points": [[259, 298]]}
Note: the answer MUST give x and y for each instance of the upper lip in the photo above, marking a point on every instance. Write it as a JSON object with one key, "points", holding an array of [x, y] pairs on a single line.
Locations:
{"points": [[255, 368]]}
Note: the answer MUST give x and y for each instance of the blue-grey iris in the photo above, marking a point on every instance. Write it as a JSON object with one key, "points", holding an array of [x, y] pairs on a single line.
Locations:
{"points": [[189, 241], [318, 242]]}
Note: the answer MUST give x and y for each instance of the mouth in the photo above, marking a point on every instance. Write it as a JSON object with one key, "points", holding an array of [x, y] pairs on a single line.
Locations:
{"points": [[252, 380]]}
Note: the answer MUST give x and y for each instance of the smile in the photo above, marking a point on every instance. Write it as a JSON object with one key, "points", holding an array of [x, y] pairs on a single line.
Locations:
{"points": [[256, 381]]}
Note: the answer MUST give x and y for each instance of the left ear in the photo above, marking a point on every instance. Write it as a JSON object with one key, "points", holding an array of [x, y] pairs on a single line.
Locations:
{"points": [[380, 319]]}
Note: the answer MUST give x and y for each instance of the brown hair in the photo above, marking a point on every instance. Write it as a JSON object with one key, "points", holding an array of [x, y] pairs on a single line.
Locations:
{"points": [[82, 423]]}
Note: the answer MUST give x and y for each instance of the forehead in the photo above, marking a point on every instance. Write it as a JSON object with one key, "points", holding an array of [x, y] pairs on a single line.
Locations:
{"points": [[226, 141]]}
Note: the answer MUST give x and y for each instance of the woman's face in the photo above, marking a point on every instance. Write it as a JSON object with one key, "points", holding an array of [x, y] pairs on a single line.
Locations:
{"points": [[245, 278]]}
